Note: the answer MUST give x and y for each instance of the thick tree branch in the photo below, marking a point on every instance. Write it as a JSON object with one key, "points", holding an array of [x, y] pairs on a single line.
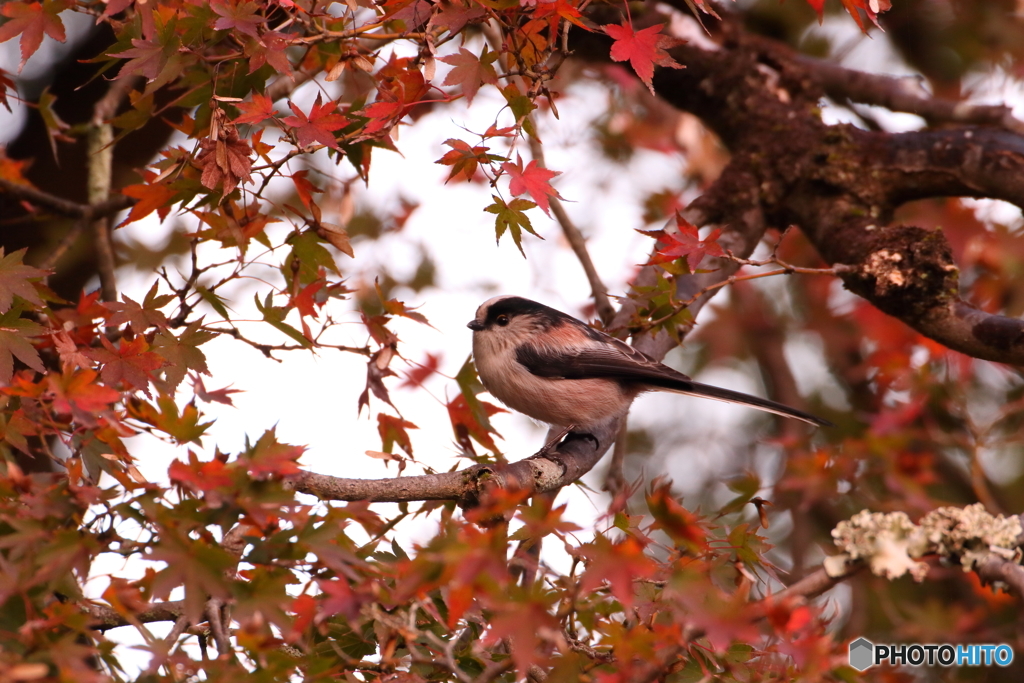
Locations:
{"points": [[104, 617], [573, 458], [64, 206], [998, 570], [905, 94], [840, 185], [815, 583]]}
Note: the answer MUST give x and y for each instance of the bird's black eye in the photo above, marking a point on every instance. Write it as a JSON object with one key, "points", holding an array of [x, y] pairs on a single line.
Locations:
{"points": [[502, 320]]}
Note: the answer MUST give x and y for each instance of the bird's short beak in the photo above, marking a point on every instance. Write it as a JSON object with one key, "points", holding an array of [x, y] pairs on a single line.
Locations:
{"points": [[475, 325]]}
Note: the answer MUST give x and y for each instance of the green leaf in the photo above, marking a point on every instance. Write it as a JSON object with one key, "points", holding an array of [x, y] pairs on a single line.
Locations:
{"points": [[216, 302], [747, 487], [510, 217], [309, 250], [470, 385], [521, 106], [274, 315]]}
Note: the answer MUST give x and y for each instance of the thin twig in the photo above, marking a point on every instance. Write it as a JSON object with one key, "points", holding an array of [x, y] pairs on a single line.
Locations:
{"points": [[158, 660], [66, 242], [100, 151], [785, 269], [495, 669], [605, 310]]}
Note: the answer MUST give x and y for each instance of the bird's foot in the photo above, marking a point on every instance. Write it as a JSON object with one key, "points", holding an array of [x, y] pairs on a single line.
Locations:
{"points": [[564, 433], [553, 442]]}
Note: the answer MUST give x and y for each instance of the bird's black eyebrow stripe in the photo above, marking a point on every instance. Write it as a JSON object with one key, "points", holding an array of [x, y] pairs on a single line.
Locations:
{"points": [[515, 305]]}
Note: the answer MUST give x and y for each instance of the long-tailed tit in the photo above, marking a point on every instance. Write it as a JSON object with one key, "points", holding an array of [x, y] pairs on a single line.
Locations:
{"points": [[555, 369]]}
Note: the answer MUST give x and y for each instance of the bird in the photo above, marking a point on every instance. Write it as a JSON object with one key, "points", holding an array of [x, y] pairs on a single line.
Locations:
{"points": [[560, 371]]}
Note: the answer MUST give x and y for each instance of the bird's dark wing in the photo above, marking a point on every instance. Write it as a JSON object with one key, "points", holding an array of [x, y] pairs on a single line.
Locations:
{"points": [[613, 359]]}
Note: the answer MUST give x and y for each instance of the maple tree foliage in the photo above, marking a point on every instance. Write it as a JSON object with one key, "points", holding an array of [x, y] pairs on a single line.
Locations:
{"points": [[242, 563]]}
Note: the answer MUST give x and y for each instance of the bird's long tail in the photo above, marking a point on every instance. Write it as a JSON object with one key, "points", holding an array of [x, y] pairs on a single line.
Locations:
{"points": [[727, 395]]}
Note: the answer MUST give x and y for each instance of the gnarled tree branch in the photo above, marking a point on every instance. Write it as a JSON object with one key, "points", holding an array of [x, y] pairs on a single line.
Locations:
{"points": [[840, 185], [573, 458]]}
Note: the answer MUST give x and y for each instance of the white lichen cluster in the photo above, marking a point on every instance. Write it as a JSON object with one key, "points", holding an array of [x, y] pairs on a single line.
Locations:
{"points": [[892, 545]]}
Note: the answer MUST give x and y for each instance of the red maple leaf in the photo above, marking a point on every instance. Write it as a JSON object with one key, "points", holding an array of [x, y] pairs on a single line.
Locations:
{"points": [[682, 526], [383, 114], [306, 302], [319, 126], [872, 8], [416, 376], [392, 431], [644, 49], [12, 169], [152, 197], [400, 86], [130, 362], [466, 424], [213, 395], [31, 20], [558, 8], [304, 187], [116, 7], [269, 49], [240, 16], [533, 180], [686, 244], [270, 457], [5, 85], [155, 58], [454, 15], [819, 7], [620, 564], [77, 392], [259, 109], [201, 476], [339, 598], [471, 71]]}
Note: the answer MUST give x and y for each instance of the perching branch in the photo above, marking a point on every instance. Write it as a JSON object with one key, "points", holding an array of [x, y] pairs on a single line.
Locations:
{"points": [[573, 458], [104, 617]]}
